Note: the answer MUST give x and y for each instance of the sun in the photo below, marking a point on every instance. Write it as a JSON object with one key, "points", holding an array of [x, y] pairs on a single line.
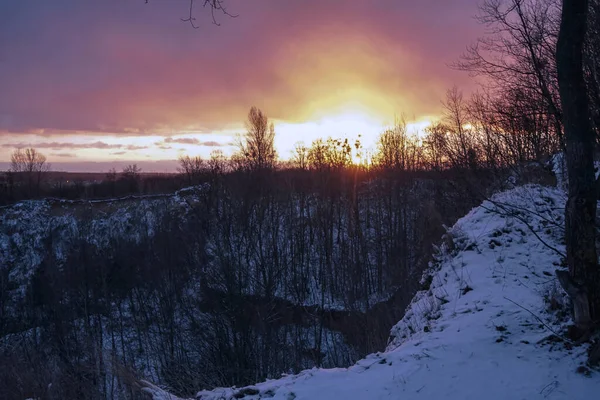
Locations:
{"points": [[351, 125]]}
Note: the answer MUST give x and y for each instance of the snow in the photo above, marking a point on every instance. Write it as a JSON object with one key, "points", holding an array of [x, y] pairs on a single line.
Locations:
{"points": [[559, 168], [26, 228], [482, 328]]}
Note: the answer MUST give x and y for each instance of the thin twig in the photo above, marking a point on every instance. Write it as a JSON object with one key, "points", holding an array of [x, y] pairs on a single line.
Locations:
{"points": [[214, 5], [527, 224], [191, 17], [540, 320]]}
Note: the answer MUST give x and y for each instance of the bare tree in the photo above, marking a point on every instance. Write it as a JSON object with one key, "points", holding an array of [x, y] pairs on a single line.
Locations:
{"points": [[592, 63], [217, 164], [516, 56], [28, 160], [434, 146], [333, 154], [460, 144], [300, 156], [111, 175], [111, 180], [192, 168], [132, 171], [397, 150], [215, 7], [131, 175], [583, 280], [29, 165], [257, 147]]}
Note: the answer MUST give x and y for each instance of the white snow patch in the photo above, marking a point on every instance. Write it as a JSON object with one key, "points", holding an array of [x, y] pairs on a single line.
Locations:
{"points": [[559, 167], [477, 331]]}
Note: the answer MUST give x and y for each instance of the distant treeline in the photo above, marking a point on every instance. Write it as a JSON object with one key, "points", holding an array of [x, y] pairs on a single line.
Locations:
{"points": [[466, 139]]}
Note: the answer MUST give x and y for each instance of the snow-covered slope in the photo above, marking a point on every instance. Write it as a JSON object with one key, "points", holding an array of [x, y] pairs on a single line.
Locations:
{"points": [[31, 230], [487, 324]]}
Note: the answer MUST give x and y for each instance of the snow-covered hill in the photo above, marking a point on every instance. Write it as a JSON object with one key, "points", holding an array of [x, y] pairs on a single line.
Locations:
{"points": [[31, 230], [487, 324]]}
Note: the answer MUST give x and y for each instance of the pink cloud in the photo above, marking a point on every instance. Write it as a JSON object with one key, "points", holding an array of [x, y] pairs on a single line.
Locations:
{"points": [[130, 68]]}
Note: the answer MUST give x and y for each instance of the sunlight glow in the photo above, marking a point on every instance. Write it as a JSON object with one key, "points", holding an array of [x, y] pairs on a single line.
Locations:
{"points": [[353, 123], [419, 127], [350, 125]]}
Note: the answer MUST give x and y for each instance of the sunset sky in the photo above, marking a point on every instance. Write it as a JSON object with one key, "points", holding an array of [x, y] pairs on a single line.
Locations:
{"points": [[96, 84]]}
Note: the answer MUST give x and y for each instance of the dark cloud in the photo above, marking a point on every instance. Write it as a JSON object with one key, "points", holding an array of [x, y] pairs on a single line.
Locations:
{"points": [[191, 141], [182, 141], [64, 155]]}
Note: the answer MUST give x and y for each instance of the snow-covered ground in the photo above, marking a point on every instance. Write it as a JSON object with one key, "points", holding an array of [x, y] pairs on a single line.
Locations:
{"points": [[487, 326], [28, 227]]}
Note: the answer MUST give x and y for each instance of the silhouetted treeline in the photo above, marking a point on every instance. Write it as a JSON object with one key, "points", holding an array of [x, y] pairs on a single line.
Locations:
{"points": [[15, 187]]}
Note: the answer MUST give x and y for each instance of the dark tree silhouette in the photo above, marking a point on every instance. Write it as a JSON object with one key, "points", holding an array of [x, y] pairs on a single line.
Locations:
{"points": [[257, 148], [215, 6], [192, 168], [583, 281], [29, 166]]}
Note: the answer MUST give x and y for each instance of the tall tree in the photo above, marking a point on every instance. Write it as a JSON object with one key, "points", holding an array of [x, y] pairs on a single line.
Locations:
{"points": [[516, 59], [131, 174], [29, 165], [583, 281], [592, 63], [192, 168], [257, 149], [396, 150]]}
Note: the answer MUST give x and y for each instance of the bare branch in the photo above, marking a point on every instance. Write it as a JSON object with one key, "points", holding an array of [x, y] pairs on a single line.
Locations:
{"points": [[215, 6]]}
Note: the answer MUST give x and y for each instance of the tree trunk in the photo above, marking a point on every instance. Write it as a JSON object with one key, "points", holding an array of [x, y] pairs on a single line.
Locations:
{"points": [[580, 213]]}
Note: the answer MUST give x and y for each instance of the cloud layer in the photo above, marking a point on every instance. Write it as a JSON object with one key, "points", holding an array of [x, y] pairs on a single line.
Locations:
{"points": [[126, 68]]}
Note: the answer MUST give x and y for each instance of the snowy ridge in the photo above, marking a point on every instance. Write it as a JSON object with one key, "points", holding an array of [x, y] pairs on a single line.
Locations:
{"points": [[31, 230], [486, 324]]}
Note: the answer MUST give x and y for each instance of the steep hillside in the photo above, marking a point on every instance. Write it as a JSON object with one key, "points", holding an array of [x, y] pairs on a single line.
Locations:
{"points": [[214, 286], [31, 230], [487, 323]]}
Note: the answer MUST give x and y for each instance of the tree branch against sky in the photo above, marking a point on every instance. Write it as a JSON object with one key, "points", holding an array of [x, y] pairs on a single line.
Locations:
{"points": [[215, 7]]}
